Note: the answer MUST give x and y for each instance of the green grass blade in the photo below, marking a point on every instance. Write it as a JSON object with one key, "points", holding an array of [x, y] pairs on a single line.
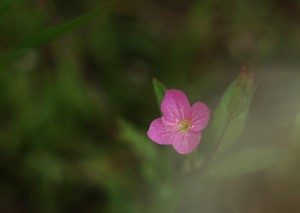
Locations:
{"points": [[49, 35]]}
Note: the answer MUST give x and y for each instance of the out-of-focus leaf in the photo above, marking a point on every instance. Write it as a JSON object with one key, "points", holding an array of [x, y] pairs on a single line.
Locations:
{"points": [[146, 151], [249, 160], [120, 201], [42, 166], [236, 125], [220, 115], [5, 5], [98, 169], [296, 134], [159, 90], [231, 115], [49, 35], [137, 141]]}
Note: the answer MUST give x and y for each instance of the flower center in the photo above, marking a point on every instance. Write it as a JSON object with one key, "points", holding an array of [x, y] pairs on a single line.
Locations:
{"points": [[184, 125]]}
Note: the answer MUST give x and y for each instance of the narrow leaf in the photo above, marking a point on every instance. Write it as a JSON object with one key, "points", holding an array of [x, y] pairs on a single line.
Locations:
{"points": [[159, 90], [137, 141], [152, 168], [250, 160], [48, 35]]}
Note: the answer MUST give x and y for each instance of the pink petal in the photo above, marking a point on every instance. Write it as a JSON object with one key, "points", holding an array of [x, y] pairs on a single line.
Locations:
{"points": [[186, 142], [175, 105], [199, 116], [158, 132]]}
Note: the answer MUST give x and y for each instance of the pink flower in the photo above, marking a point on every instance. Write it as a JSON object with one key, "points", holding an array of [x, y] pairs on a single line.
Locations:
{"points": [[181, 124]]}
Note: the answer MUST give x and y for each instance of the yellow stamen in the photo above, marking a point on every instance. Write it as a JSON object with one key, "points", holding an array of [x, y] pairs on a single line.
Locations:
{"points": [[184, 125]]}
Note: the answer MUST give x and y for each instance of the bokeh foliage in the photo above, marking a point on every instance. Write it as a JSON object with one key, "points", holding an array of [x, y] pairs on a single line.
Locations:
{"points": [[76, 99]]}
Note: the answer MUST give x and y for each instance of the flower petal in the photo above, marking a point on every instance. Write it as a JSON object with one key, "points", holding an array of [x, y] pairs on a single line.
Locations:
{"points": [[158, 132], [187, 142], [199, 116], [175, 105]]}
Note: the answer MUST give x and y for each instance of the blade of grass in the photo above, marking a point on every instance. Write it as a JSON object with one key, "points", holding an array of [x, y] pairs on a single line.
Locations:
{"points": [[50, 34]]}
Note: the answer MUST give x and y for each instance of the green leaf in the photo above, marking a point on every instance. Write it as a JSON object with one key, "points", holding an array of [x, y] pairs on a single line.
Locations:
{"points": [[48, 35], [137, 140], [236, 125], [249, 160], [231, 115], [145, 150], [159, 90], [221, 114]]}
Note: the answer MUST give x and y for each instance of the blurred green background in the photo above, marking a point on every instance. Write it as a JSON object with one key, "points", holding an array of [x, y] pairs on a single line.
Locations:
{"points": [[76, 100]]}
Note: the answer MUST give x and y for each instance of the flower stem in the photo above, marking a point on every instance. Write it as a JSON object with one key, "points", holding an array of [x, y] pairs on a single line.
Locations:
{"points": [[209, 157], [215, 149]]}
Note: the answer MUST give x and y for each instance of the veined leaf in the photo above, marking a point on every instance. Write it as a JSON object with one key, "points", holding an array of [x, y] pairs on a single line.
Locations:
{"points": [[159, 90], [249, 160]]}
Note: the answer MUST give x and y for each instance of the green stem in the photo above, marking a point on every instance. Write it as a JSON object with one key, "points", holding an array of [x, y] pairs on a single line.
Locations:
{"points": [[219, 142], [208, 159]]}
